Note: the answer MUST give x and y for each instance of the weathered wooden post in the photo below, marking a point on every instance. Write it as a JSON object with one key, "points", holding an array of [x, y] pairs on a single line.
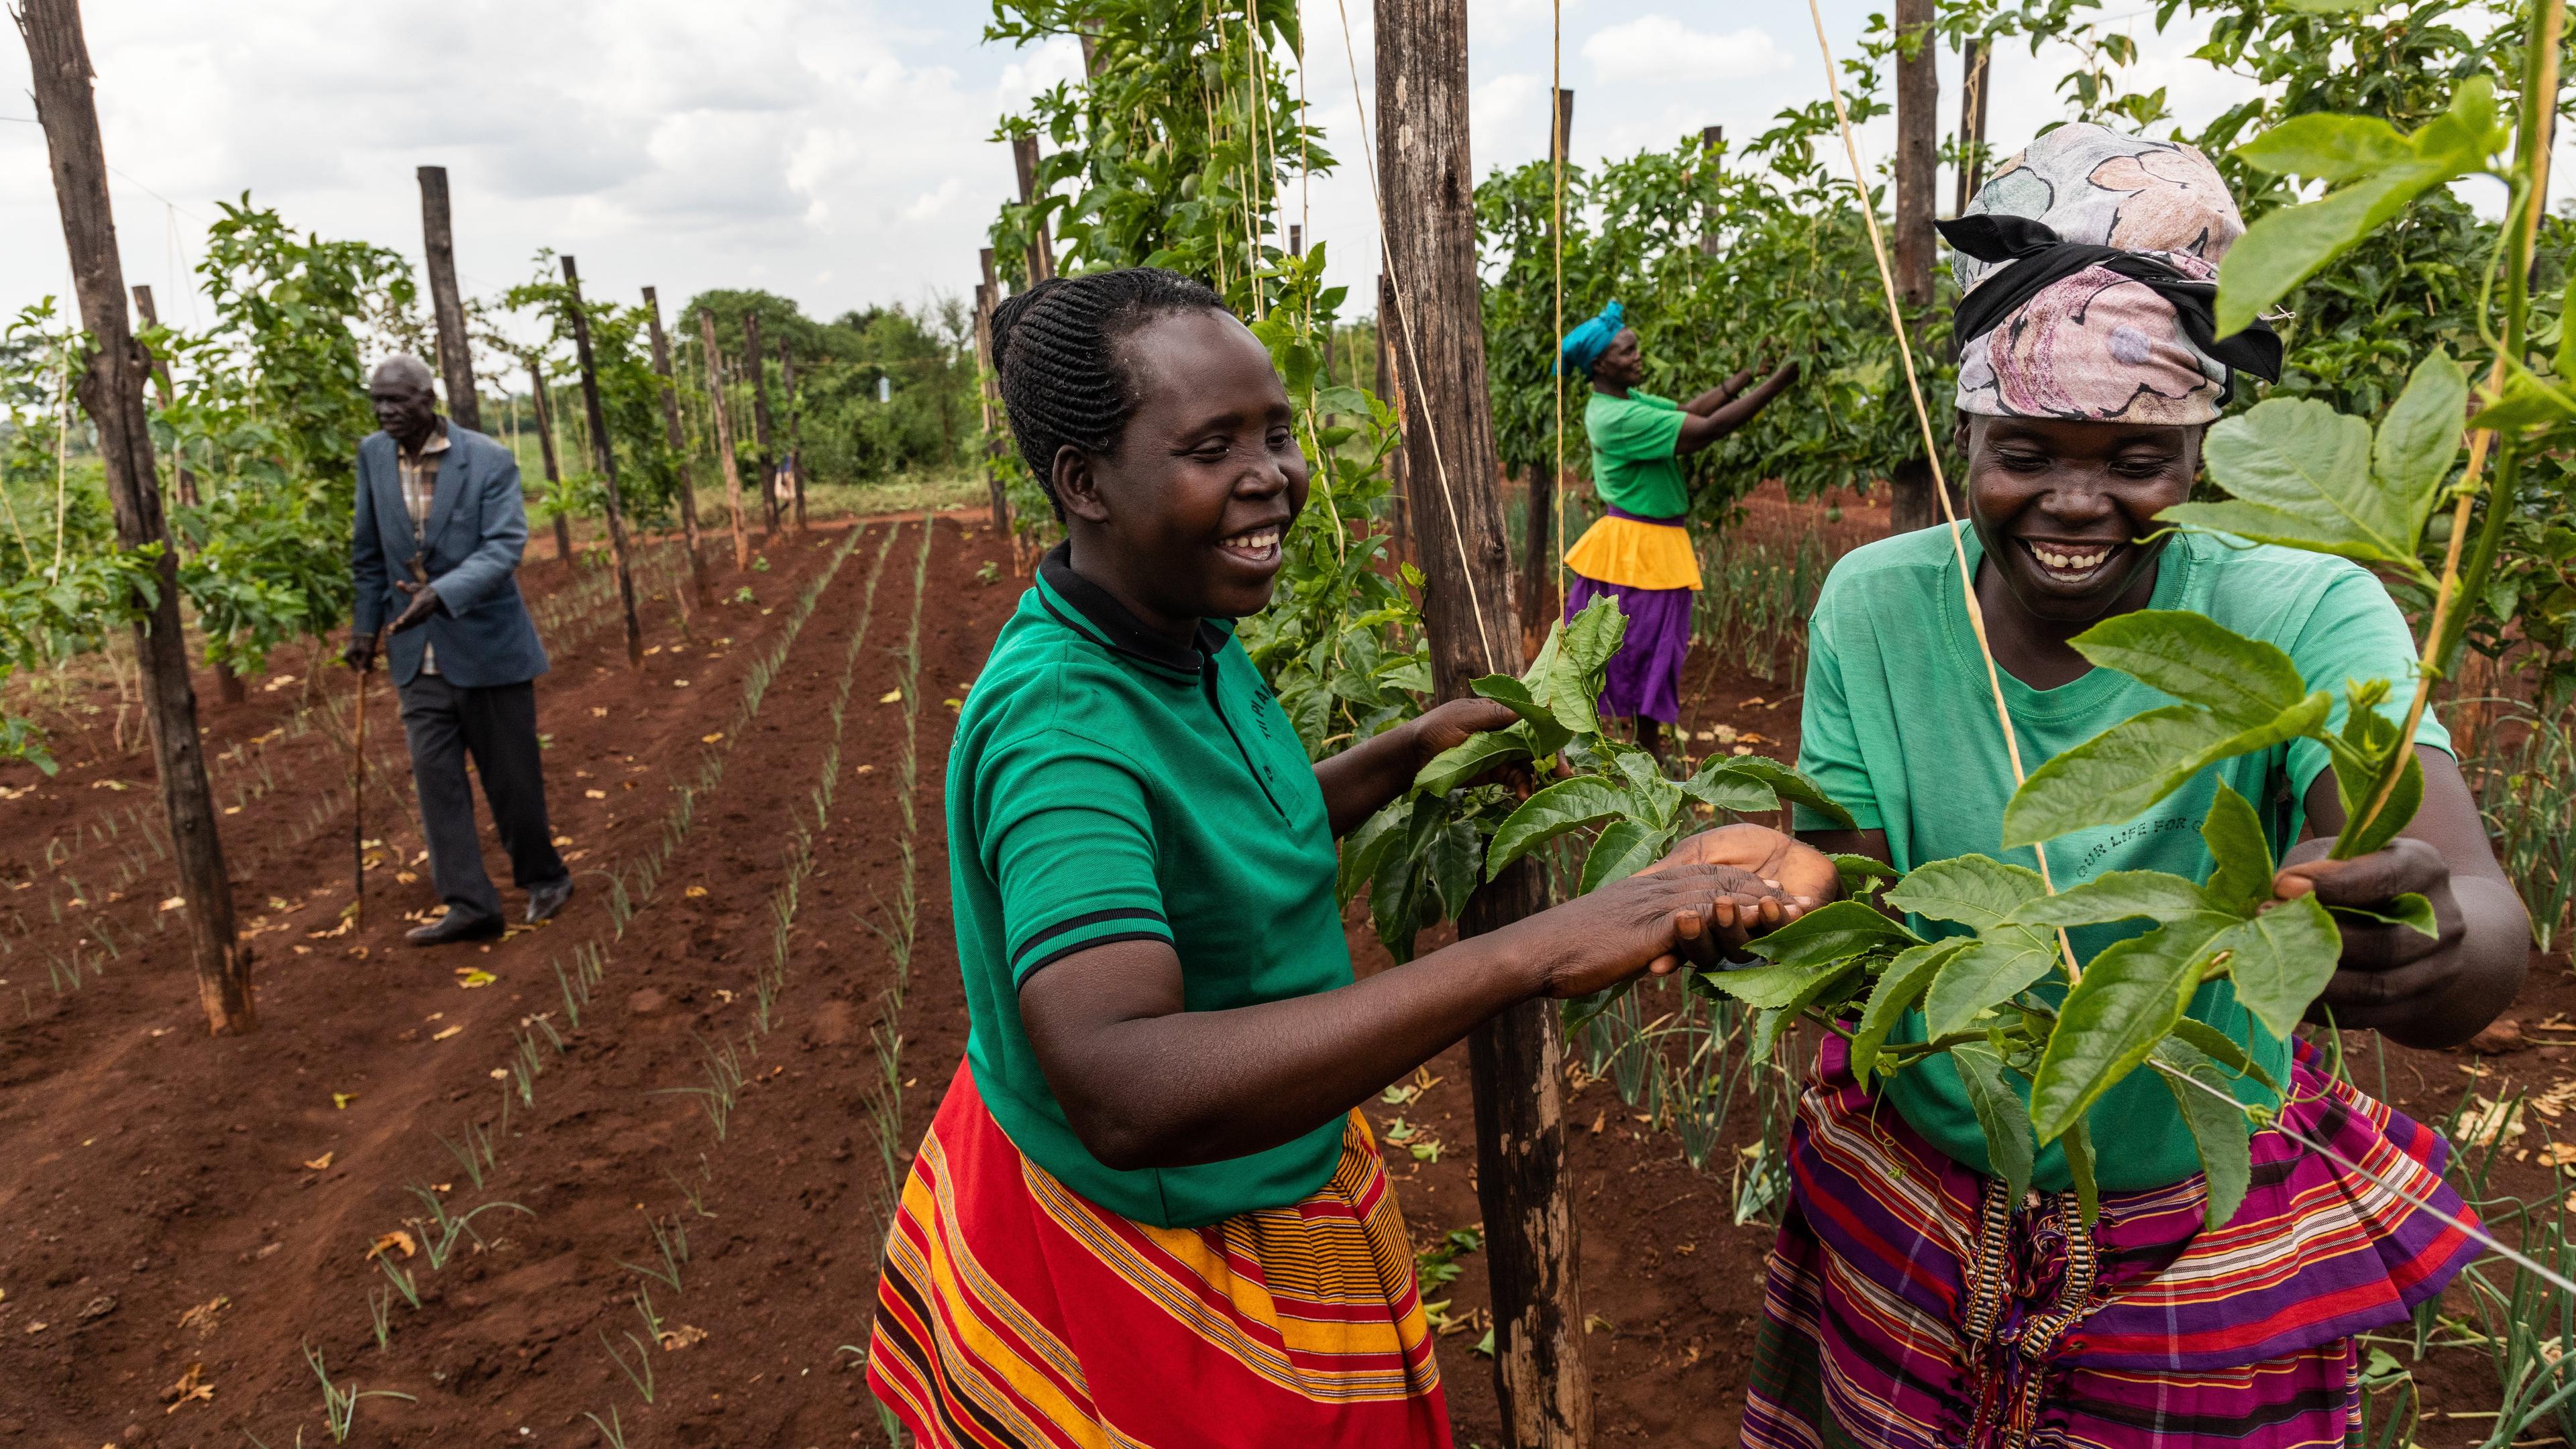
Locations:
{"points": [[724, 438], [1538, 520], [1024, 158], [606, 455], [1516, 1059], [792, 465], [1390, 386], [679, 449], [988, 295], [111, 392], [546, 446], [455, 353], [1976, 63], [228, 685], [1712, 143], [1918, 156], [757, 363]]}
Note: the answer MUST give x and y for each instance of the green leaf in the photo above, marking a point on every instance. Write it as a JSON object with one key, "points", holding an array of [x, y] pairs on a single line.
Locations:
{"points": [[1778, 779], [2217, 1123], [1503, 689], [1826, 990], [2409, 909], [1592, 636], [1977, 891], [2299, 474], [1463, 762], [2393, 817], [2527, 402], [2196, 659], [2128, 1000], [1363, 848], [2079, 1165], [1624, 848], [1734, 793], [1996, 969], [2281, 959], [1860, 872], [1832, 932], [2117, 895], [2132, 765], [2327, 147], [1900, 986], [1657, 798], [1768, 988], [1564, 806], [2234, 834], [1579, 1011], [1451, 857], [2421, 435], [2000, 1115], [2223, 1049]]}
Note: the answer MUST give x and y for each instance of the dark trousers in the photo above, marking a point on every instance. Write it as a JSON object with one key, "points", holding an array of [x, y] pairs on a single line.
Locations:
{"points": [[497, 727]]}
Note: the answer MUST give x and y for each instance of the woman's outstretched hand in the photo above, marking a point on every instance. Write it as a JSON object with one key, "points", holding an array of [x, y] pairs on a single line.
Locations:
{"points": [[1653, 922], [1788, 878]]}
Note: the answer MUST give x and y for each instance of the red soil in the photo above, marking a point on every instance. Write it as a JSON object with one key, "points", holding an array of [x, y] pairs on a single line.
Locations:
{"points": [[148, 1172]]}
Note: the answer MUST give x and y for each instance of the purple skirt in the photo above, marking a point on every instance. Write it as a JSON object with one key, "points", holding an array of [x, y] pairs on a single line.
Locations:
{"points": [[1645, 676]]}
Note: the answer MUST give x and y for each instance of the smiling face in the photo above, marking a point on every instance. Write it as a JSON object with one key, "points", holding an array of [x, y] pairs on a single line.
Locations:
{"points": [[1185, 519], [2060, 507], [1624, 364]]}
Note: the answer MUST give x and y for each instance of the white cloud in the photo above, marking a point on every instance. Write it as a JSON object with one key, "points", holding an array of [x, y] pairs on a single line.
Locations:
{"points": [[1659, 48]]}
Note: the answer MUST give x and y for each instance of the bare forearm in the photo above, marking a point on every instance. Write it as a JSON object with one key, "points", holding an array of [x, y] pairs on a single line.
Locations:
{"points": [[1719, 395], [1359, 781], [1202, 1086], [1699, 432]]}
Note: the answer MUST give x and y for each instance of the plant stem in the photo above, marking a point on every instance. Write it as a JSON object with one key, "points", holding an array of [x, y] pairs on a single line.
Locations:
{"points": [[2459, 593]]}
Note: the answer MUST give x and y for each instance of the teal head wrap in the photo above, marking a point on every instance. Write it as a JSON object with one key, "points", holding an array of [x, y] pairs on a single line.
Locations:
{"points": [[1584, 345]]}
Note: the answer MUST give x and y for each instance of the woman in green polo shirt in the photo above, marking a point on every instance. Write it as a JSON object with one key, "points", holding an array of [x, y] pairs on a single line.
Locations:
{"points": [[1912, 1300], [1147, 1211]]}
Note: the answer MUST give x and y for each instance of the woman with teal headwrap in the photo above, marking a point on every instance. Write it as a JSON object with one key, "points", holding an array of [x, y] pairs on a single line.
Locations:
{"points": [[1640, 552]]}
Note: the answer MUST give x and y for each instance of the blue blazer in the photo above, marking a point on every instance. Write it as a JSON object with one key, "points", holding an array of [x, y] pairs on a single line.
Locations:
{"points": [[469, 550]]}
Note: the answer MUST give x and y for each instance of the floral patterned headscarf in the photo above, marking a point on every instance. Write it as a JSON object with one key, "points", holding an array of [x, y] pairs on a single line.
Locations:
{"points": [[2098, 346]]}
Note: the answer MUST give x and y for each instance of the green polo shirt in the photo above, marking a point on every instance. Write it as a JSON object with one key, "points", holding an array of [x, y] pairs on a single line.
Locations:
{"points": [[1109, 785], [1633, 463]]}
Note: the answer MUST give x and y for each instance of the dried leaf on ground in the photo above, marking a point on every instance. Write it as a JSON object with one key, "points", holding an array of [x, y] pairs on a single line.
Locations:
{"points": [[317, 1164], [395, 1241], [192, 1387], [444, 1034], [2489, 1122], [681, 1335], [470, 977], [202, 1317]]}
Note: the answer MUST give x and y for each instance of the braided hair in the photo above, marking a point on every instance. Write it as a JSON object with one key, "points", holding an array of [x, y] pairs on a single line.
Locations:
{"points": [[1056, 348]]}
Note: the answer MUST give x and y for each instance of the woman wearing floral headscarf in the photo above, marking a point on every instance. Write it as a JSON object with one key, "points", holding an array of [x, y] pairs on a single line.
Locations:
{"points": [[1640, 552], [1912, 1301]]}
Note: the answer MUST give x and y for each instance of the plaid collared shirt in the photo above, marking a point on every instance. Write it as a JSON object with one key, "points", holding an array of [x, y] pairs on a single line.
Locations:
{"points": [[419, 488]]}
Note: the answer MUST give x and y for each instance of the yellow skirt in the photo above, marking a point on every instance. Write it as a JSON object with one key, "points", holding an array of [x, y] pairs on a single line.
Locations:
{"points": [[1636, 552]]}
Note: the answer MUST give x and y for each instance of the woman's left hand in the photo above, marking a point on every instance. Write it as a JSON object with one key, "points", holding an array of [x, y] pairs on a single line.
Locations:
{"points": [[1447, 726], [2389, 972]]}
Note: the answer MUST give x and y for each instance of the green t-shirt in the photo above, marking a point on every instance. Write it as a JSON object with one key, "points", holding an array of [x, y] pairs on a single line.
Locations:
{"points": [[1899, 726], [1632, 453], [1109, 785]]}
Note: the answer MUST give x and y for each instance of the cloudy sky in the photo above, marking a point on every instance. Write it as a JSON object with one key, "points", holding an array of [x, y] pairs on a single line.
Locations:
{"points": [[835, 151]]}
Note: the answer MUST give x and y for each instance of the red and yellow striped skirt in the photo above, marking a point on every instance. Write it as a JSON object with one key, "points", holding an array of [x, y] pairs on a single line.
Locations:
{"points": [[1014, 1314]]}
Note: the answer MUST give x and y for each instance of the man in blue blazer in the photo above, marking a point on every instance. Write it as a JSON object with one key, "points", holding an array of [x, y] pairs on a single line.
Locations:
{"points": [[440, 527]]}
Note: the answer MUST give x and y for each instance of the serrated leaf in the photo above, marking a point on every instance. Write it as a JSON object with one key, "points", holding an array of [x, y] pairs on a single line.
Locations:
{"points": [[1832, 932], [2217, 1123], [2131, 995], [1451, 857], [2281, 959], [2298, 473], [1564, 806], [2079, 1165], [1463, 762], [1363, 848], [1826, 989], [1860, 872], [1505, 690], [2327, 147], [2219, 1047], [1778, 779], [1994, 970], [2526, 402], [2000, 1115], [1899, 987], [2393, 817], [1977, 891], [2196, 659], [2410, 910], [2234, 834], [1624, 848], [2421, 435], [2122, 771], [1734, 793], [1657, 798], [1593, 635], [2117, 895], [1768, 988]]}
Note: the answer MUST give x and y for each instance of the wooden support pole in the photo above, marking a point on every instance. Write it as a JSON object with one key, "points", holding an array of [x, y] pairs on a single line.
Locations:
{"points": [[1712, 145], [1024, 159], [724, 439], [988, 295], [1390, 386], [228, 685], [1976, 63], [1515, 1060], [455, 353], [790, 465], [110, 387], [1538, 512], [679, 449], [606, 455], [757, 364], [1918, 156], [546, 446]]}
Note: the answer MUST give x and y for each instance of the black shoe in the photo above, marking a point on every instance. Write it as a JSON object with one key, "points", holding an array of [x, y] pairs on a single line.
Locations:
{"points": [[456, 925], [544, 900]]}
